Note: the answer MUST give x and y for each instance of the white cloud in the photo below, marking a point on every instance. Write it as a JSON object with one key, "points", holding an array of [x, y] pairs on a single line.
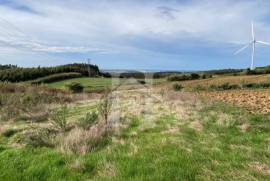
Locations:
{"points": [[101, 26]]}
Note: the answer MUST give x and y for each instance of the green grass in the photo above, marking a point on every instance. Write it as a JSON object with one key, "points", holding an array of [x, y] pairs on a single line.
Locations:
{"points": [[96, 84], [88, 83], [218, 152]]}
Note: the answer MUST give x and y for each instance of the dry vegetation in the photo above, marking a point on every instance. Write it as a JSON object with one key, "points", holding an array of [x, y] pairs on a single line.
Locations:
{"points": [[137, 134], [253, 100], [227, 79]]}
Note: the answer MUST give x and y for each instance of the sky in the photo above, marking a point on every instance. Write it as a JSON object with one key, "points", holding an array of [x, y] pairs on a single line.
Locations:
{"points": [[134, 34]]}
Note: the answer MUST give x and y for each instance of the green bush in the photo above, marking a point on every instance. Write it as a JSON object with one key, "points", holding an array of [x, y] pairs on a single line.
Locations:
{"points": [[75, 87], [206, 76], [194, 76], [177, 87], [183, 77], [142, 82], [40, 137], [9, 132], [256, 85], [89, 120], [225, 86], [58, 119]]}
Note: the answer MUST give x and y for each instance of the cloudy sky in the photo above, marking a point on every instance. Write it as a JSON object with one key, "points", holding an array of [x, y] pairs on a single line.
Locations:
{"points": [[133, 34]]}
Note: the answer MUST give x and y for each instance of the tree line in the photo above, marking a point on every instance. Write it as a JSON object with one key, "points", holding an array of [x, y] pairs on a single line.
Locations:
{"points": [[12, 73]]}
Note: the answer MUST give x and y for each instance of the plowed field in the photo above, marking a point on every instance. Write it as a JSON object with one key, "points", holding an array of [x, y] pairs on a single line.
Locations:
{"points": [[253, 100]]}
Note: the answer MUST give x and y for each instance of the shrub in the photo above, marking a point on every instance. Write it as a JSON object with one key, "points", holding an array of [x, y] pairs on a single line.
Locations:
{"points": [[183, 77], [81, 141], [37, 137], [9, 132], [213, 87], [199, 88], [142, 82], [177, 87], [75, 87], [177, 78], [256, 85], [225, 86], [58, 119], [203, 76], [105, 105], [194, 76], [207, 76], [89, 120]]}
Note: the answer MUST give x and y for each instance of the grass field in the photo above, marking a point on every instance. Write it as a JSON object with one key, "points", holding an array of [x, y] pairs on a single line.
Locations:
{"points": [[88, 83], [179, 138], [156, 135]]}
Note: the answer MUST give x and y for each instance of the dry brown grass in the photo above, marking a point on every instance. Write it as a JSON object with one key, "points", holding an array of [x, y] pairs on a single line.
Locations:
{"points": [[226, 79], [81, 141]]}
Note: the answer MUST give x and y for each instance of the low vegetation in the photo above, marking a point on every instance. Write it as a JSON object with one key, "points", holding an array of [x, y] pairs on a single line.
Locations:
{"points": [[164, 142], [220, 131], [74, 87], [177, 87], [183, 77], [89, 84]]}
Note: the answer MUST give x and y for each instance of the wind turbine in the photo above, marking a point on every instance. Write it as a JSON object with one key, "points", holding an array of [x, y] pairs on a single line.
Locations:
{"points": [[253, 44]]}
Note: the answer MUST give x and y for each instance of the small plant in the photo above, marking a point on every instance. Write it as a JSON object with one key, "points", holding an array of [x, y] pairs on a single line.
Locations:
{"points": [[75, 87], [9, 132], [89, 120], [105, 105], [59, 119], [177, 87], [199, 88], [37, 137], [225, 86]]}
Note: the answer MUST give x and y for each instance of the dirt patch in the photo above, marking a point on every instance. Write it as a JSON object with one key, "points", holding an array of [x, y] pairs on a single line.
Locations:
{"points": [[261, 167], [243, 127]]}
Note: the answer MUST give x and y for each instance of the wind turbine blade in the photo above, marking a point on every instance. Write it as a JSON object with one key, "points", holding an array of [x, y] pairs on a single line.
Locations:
{"points": [[252, 31], [262, 42], [241, 49]]}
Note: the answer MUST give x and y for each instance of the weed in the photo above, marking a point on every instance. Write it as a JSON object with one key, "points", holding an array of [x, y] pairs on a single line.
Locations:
{"points": [[37, 137], [104, 107], [89, 120], [177, 87], [199, 88], [81, 141], [58, 119]]}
